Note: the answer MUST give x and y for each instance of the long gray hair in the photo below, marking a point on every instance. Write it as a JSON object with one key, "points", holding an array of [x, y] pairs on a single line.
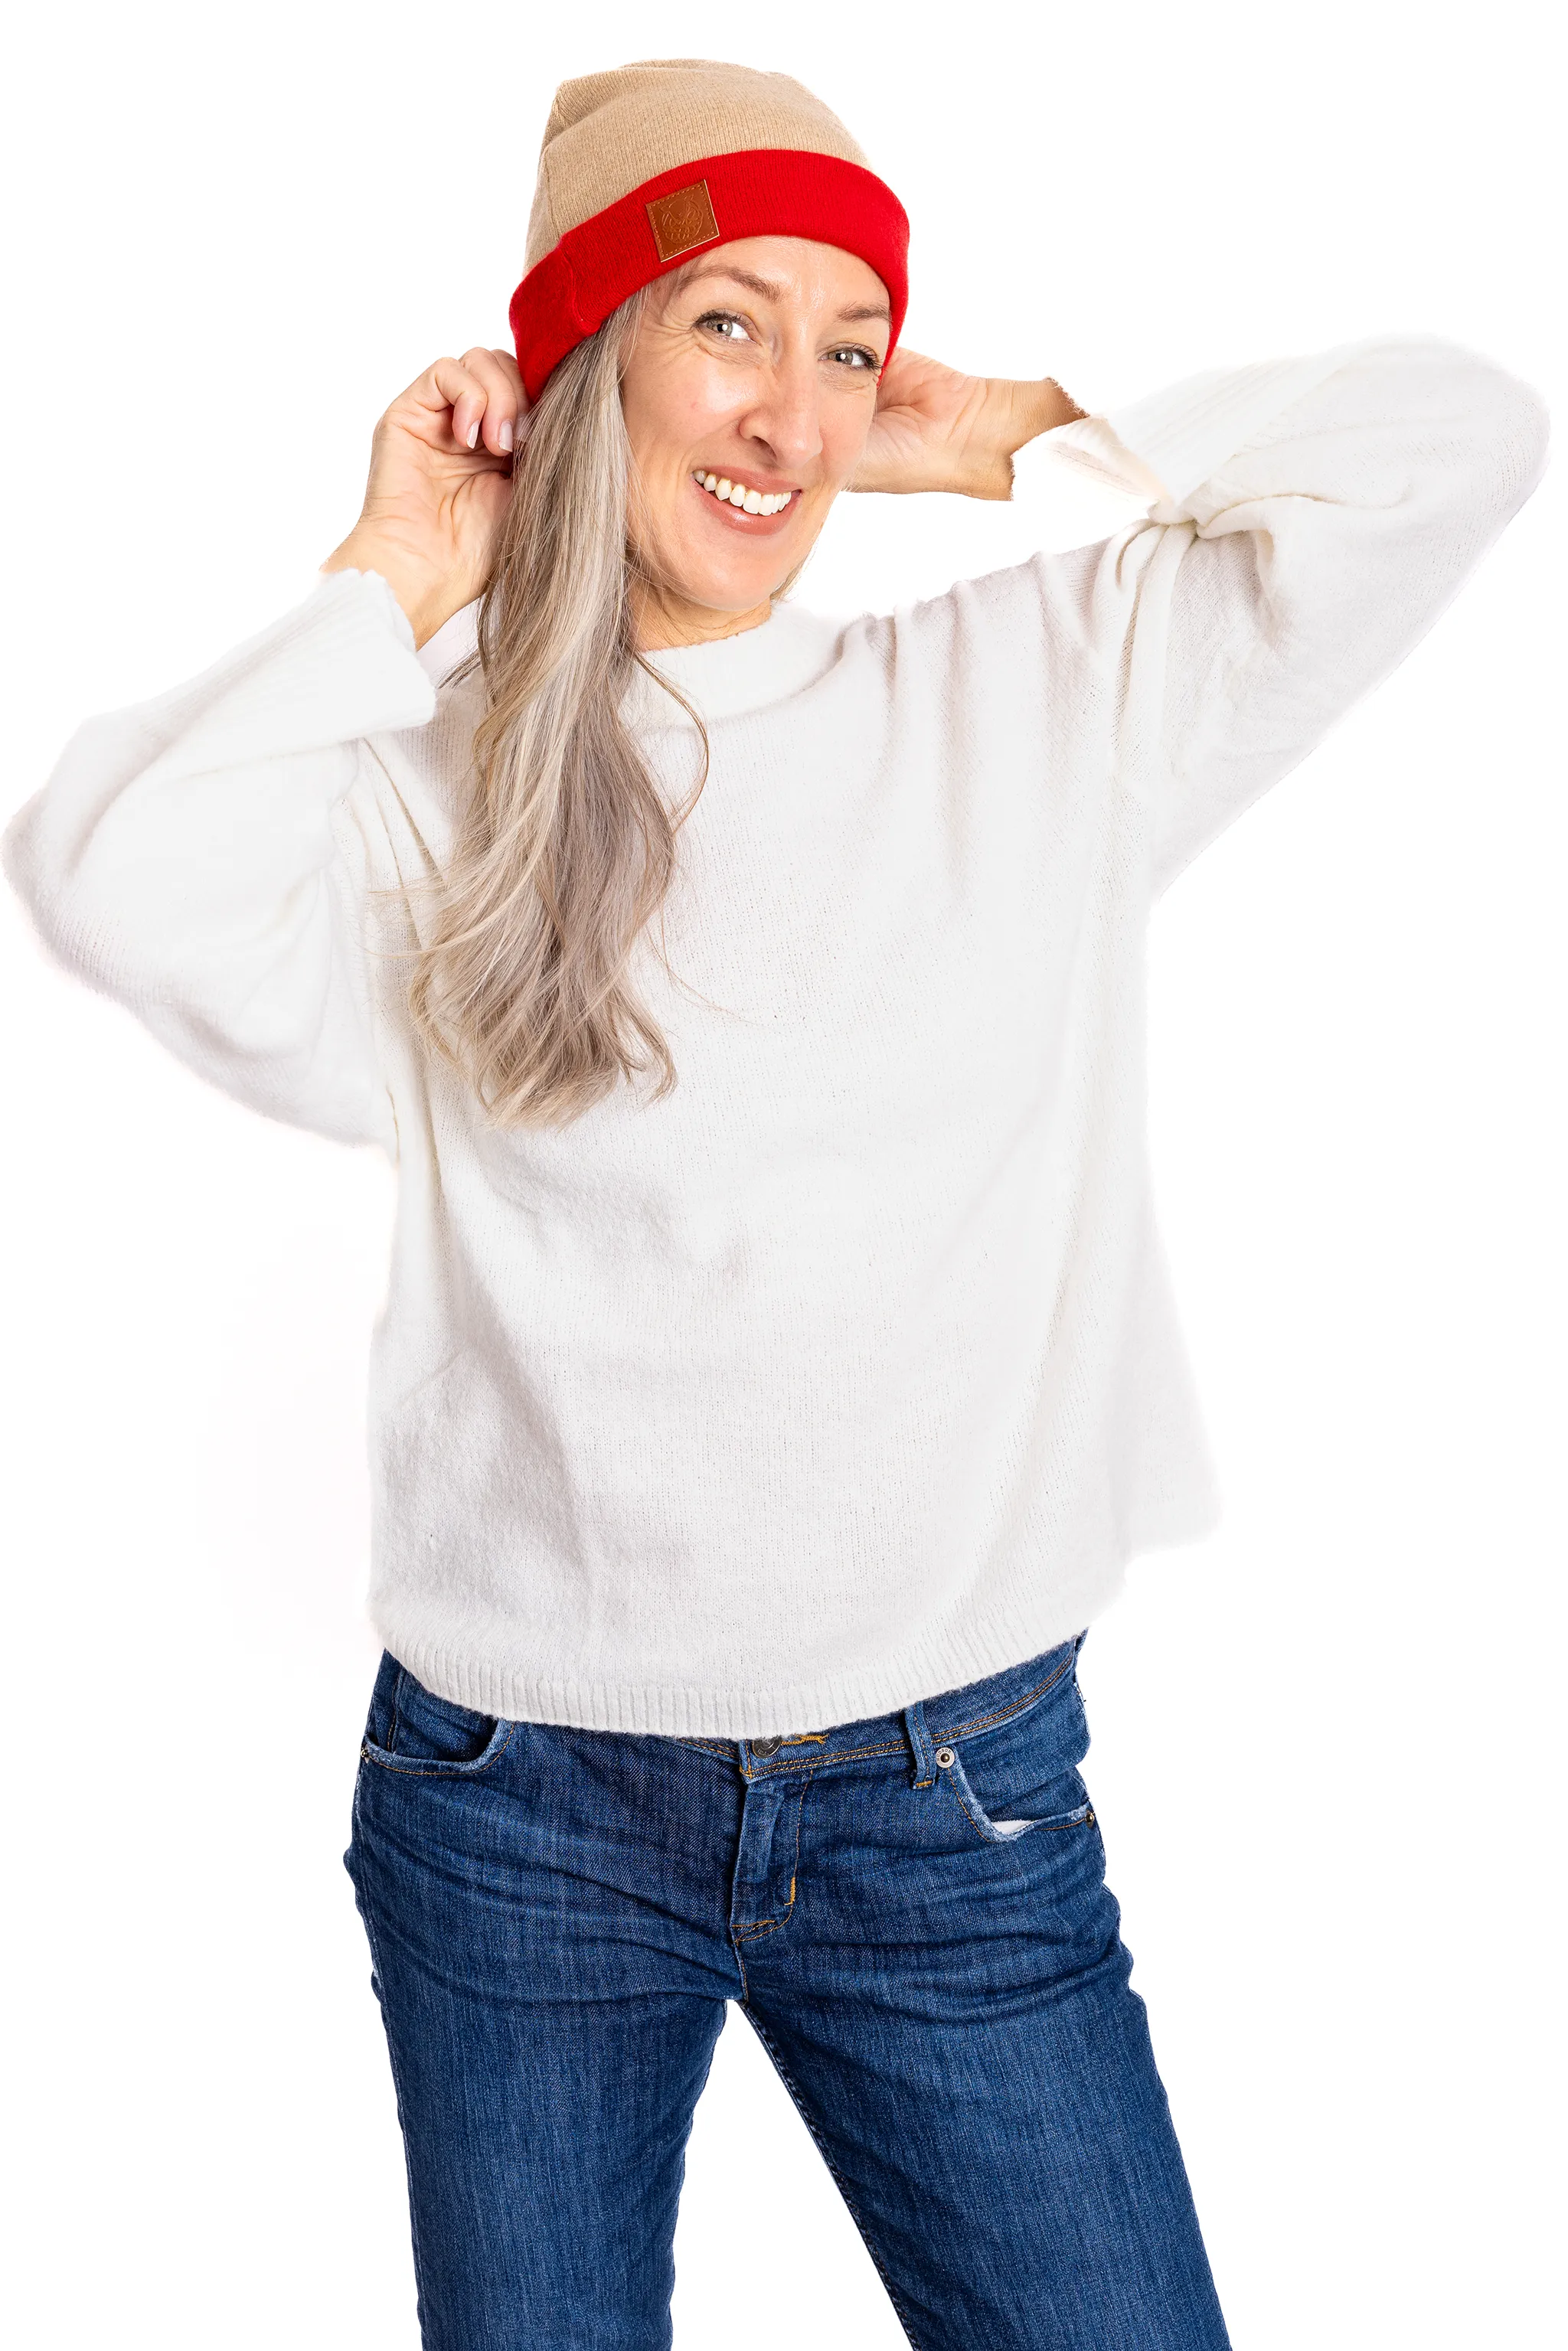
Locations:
{"points": [[566, 847]]}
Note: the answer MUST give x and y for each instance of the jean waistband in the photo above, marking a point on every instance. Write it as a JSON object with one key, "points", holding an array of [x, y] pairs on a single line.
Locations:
{"points": [[915, 1730]]}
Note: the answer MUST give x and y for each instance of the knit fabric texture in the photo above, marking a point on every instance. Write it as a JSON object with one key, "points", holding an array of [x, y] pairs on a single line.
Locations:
{"points": [[642, 167], [608, 132], [850, 1372]]}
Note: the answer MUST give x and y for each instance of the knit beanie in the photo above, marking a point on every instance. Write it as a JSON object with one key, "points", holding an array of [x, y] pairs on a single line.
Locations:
{"points": [[644, 166]]}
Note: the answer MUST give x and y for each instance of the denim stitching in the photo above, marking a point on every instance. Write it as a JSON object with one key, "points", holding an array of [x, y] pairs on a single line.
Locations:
{"points": [[841, 1755], [922, 1746], [988, 1721], [442, 1772], [969, 1815], [795, 1856], [771, 1770], [1082, 1817], [758, 1927], [804, 2112], [958, 1730], [364, 1909], [767, 1926]]}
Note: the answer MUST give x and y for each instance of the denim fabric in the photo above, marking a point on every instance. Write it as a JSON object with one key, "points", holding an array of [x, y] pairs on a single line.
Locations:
{"points": [[912, 1915]]}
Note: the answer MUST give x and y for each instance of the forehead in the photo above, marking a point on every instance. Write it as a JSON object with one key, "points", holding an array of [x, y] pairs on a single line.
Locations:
{"points": [[794, 271]]}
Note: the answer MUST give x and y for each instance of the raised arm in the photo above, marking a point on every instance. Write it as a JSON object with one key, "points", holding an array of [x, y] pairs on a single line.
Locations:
{"points": [[1305, 521], [195, 859], [1308, 520], [204, 859]]}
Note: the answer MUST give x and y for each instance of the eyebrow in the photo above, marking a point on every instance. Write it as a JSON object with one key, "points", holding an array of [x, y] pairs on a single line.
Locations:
{"points": [[770, 289]]}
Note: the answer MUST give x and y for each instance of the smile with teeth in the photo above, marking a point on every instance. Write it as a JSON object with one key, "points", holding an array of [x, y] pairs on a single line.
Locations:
{"points": [[736, 494]]}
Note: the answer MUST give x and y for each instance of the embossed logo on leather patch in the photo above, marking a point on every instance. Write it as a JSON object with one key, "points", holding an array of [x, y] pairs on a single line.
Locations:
{"points": [[682, 220]]}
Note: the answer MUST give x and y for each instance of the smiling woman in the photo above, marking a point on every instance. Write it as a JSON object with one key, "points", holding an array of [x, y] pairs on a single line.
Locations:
{"points": [[750, 1452], [681, 461], [766, 407]]}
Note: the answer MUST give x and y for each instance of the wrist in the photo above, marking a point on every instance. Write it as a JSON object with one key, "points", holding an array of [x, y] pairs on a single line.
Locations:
{"points": [[1036, 408], [1016, 413], [1045, 405], [427, 599]]}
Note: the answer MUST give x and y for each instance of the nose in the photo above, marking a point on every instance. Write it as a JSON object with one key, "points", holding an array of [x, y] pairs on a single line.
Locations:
{"points": [[787, 417]]}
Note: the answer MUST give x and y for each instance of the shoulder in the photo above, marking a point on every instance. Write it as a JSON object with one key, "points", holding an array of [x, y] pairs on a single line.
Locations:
{"points": [[1049, 618]]}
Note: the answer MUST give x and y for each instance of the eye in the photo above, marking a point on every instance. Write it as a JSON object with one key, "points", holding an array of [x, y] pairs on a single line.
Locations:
{"points": [[857, 357], [721, 321]]}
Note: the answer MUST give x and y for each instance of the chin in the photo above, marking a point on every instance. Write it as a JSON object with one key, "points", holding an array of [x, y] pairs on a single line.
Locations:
{"points": [[728, 580], [734, 603]]}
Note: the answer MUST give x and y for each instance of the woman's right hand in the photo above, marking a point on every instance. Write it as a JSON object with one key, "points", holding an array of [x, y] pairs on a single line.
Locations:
{"points": [[440, 484]]}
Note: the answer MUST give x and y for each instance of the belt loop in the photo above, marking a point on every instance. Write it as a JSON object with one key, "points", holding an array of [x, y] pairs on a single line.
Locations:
{"points": [[920, 1747]]}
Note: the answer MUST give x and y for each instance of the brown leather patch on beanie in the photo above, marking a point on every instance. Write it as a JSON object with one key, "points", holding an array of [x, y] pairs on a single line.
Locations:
{"points": [[682, 220], [653, 122]]}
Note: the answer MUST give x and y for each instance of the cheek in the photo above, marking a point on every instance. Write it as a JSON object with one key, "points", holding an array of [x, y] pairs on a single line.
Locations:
{"points": [[846, 425], [670, 419], [709, 398]]}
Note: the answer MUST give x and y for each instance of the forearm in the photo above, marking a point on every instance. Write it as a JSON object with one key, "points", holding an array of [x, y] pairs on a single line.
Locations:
{"points": [[1037, 408]]}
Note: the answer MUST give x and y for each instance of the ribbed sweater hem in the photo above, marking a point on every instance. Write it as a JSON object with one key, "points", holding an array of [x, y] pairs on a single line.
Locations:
{"points": [[947, 1661]]}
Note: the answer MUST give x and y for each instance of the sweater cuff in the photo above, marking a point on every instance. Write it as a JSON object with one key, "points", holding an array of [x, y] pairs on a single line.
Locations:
{"points": [[1088, 448], [340, 665], [377, 595]]}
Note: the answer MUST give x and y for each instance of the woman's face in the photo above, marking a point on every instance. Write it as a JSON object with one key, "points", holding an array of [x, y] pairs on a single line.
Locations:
{"points": [[755, 366]]}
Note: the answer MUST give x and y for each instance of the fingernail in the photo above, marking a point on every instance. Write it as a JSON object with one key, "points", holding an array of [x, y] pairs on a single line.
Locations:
{"points": [[474, 434], [505, 435]]}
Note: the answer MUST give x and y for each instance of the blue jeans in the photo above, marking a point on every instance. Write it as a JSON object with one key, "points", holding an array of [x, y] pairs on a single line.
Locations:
{"points": [[912, 1914]]}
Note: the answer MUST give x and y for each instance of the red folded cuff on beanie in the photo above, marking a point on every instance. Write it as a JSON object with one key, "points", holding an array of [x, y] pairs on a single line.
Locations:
{"points": [[657, 227]]}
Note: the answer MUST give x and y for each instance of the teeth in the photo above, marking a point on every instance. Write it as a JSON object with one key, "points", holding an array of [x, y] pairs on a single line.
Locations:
{"points": [[736, 494]]}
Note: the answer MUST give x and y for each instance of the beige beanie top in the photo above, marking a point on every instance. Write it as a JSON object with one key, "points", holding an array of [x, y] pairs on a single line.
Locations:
{"points": [[645, 164]]}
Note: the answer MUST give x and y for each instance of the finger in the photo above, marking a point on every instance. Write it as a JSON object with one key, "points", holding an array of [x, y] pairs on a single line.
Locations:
{"points": [[503, 397], [443, 404], [506, 360], [527, 411], [457, 386]]}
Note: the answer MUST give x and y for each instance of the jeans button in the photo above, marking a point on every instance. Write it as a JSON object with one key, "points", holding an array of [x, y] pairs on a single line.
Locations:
{"points": [[766, 1747]]}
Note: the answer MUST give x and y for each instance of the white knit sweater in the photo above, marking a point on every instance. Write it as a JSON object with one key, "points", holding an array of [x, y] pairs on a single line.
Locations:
{"points": [[849, 1372]]}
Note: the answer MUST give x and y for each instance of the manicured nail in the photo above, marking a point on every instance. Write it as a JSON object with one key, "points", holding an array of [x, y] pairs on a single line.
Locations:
{"points": [[505, 435], [474, 434]]}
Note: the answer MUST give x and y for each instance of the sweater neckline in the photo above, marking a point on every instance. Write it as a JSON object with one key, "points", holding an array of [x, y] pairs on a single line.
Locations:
{"points": [[733, 676]]}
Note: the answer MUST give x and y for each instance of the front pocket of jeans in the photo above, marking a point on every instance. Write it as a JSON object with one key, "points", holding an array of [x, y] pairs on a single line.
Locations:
{"points": [[432, 1737], [1006, 1826]]}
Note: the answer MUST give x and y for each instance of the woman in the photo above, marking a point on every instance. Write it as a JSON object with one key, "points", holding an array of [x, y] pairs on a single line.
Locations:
{"points": [[779, 1367]]}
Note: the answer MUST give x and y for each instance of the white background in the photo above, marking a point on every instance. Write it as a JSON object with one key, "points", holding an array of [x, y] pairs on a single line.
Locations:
{"points": [[1327, 1741]]}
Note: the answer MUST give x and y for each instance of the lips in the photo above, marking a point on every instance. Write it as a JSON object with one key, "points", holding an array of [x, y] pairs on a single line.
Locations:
{"points": [[745, 497]]}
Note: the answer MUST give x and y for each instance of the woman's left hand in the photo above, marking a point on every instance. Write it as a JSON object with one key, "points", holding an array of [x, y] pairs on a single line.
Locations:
{"points": [[937, 430]]}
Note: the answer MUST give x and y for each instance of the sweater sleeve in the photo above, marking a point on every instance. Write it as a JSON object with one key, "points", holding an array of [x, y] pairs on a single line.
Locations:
{"points": [[1308, 520], [194, 857]]}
